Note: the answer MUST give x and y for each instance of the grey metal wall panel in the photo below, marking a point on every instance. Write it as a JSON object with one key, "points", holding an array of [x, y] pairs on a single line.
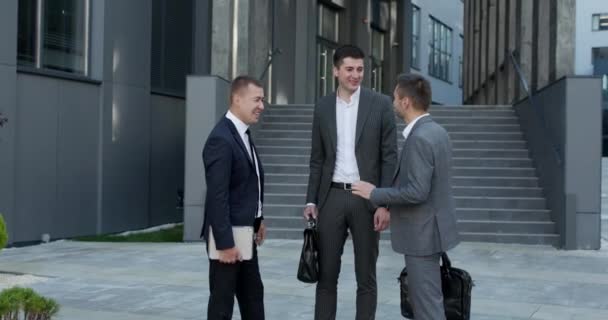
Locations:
{"points": [[77, 159], [571, 108], [206, 102], [127, 38], [126, 156], [584, 143], [167, 134], [36, 156], [8, 96], [8, 31]]}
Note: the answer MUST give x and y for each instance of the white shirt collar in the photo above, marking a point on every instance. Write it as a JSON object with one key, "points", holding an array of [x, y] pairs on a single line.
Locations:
{"points": [[410, 126], [354, 98], [241, 127]]}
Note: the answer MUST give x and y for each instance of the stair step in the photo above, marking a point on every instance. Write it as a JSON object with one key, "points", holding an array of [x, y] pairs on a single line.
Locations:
{"points": [[519, 238], [472, 127], [303, 159], [486, 237], [284, 159], [467, 136], [500, 202], [517, 192], [295, 188], [494, 226], [285, 178], [457, 112], [490, 153], [493, 162], [503, 214], [461, 181], [298, 134]]}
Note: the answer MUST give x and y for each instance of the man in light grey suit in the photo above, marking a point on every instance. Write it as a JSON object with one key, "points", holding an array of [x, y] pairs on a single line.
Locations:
{"points": [[423, 223], [353, 138]]}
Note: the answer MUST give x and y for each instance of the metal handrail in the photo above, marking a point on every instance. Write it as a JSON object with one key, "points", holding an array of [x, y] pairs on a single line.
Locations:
{"points": [[271, 55], [540, 115]]}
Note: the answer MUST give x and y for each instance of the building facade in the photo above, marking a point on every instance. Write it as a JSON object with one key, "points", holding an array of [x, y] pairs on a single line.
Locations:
{"points": [[94, 91], [437, 42]]}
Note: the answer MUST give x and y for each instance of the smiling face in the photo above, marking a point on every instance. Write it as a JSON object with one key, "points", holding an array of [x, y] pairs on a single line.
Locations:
{"points": [[349, 74], [248, 104]]}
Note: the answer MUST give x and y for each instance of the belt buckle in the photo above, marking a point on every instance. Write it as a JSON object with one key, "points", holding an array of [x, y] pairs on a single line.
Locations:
{"points": [[348, 187]]}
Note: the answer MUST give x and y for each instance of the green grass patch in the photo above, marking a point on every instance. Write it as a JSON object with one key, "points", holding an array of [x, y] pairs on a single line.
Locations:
{"points": [[175, 234]]}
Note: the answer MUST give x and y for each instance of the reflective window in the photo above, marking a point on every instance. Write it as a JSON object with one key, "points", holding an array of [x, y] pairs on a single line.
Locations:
{"points": [[440, 53], [54, 35]]}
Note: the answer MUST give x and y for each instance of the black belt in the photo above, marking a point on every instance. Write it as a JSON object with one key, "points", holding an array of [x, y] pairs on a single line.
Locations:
{"points": [[343, 186]]}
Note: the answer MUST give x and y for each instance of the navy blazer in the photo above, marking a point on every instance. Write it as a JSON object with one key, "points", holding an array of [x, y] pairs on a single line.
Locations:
{"points": [[232, 184]]}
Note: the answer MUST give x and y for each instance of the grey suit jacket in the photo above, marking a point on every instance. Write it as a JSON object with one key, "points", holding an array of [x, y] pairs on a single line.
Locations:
{"points": [[421, 202], [375, 143]]}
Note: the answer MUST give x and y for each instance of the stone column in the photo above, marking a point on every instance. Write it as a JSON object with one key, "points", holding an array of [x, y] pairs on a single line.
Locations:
{"points": [[492, 71], [543, 45], [525, 44], [564, 46]]}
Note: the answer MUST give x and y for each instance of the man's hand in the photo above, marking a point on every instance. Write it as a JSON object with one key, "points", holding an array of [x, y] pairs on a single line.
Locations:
{"points": [[260, 236], [229, 256], [363, 189], [310, 212], [382, 218]]}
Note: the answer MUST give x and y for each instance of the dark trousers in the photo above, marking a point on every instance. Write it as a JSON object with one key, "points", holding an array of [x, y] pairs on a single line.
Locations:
{"points": [[341, 213], [242, 280]]}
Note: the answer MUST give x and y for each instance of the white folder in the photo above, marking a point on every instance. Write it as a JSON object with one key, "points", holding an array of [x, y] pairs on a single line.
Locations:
{"points": [[243, 241]]}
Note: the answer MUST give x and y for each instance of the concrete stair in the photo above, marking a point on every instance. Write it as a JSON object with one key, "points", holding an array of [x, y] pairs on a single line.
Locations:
{"points": [[497, 193]]}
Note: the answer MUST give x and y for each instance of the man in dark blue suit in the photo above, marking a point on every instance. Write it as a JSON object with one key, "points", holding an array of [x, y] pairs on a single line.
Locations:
{"points": [[235, 181]]}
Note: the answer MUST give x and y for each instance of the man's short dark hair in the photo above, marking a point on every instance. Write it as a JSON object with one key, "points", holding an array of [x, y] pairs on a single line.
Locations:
{"points": [[415, 87], [241, 82], [347, 51]]}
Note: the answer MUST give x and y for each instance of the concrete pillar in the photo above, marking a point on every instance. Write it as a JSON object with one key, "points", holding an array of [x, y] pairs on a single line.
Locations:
{"points": [[404, 34], [525, 45], [492, 44], [543, 43], [201, 40], [466, 48], [564, 46], [8, 96], [306, 62], [221, 38], [501, 77], [206, 103], [476, 67], [484, 38], [512, 79]]}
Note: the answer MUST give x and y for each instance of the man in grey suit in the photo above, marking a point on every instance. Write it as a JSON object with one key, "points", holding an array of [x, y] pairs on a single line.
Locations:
{"points": [[353, 138], [423, 223]]}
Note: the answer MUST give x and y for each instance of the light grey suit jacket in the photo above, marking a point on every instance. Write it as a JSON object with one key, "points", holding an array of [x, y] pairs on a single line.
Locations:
{"points": [[375, 143], [421, 202]]}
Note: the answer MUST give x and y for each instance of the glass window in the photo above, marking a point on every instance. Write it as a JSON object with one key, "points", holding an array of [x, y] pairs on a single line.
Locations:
{"points": [[171, 50], [440, 53], [377, 59], [328, 23], [415, 59], [600, 22], [54, 35]]}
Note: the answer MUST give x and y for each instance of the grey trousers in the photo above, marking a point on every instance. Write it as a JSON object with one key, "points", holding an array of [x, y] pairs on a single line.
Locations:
{"points": [[424, 280], [341, 213]]}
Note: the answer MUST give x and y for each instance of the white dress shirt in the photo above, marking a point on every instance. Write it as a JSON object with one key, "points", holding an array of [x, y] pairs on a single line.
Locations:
{"points": [[241, 128], [410, 126], [346, 169]]}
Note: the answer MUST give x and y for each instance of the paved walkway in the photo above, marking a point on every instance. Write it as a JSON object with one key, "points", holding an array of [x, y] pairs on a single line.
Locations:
{"points": [[97, 281], [100, 281]]}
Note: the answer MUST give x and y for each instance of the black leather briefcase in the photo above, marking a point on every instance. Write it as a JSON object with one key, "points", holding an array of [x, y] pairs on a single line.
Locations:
{"points": [[456, 285], [308, 269]]}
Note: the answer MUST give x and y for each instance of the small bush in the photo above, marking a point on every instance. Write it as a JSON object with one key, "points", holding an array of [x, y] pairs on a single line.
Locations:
{"points": [[25, 304], [3, 233]]}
